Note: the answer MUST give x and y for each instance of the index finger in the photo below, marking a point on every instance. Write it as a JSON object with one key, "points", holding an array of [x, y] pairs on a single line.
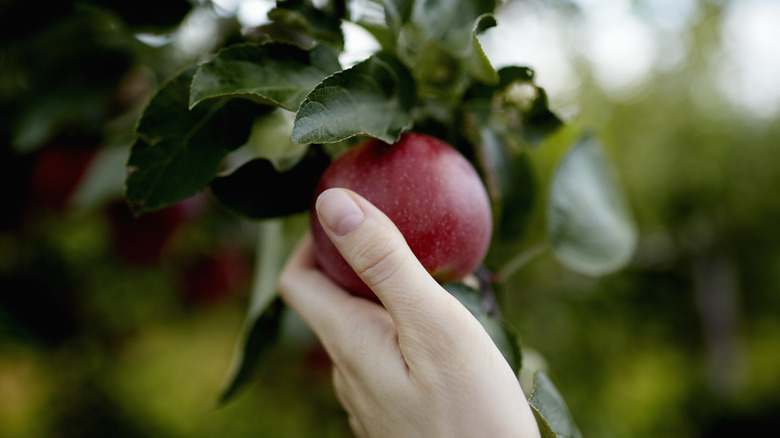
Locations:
{"points": [[308, 292]]}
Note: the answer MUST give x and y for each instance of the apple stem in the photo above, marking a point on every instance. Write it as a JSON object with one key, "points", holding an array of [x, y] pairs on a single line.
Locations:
{"points": [[486, 281]]}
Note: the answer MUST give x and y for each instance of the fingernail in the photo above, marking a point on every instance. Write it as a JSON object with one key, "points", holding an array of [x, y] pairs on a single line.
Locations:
{"points": [[339, 212]]}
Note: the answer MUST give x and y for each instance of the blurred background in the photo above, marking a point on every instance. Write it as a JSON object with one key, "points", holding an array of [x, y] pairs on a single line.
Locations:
{"points": [[118, 326]]}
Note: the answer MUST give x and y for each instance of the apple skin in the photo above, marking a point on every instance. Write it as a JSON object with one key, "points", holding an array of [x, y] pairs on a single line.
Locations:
{"points": [[428, 189]]}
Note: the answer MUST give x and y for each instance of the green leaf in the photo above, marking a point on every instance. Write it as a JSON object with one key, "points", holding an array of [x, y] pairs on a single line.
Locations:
{"points": [[482, 100], [382, 34], [276, 239], [544, 428], [550, 410], [304, 18], [178, 151], [539, 121], [397, 13], [477, 63], [507, 76], [274, 73], [259, 191], [261, 333], [374, 97], [451, 21], [44, 117], [511, 185], [589, 224], [281, 33], [102, 182], [514, 105], [502, 334], [270, 139]]}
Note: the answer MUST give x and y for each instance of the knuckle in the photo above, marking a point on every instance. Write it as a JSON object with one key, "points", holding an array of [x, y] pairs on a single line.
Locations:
{"points": [[379, 259]]}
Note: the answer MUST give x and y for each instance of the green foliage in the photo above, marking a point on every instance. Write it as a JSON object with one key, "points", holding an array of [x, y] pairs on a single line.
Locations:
{"points": [[374, 97], [272, 73], [276, 239], [477, 63], [178, 151], [450, 23], [590, 227], [53, 100], [550, 410], [432, 75]]}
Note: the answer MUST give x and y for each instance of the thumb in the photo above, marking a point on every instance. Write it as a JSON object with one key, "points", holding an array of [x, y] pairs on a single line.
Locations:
{"points": [[372, 245]]}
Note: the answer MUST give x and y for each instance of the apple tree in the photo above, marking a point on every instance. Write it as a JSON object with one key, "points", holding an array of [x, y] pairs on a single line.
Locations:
{"points": [[256, 121]]}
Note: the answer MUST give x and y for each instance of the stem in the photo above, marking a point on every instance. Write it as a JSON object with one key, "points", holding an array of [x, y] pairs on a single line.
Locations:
{"points": [[489, 302], [522, 259]]}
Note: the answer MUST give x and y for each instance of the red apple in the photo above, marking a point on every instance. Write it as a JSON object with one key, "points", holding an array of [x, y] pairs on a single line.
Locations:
{"points": [[141, 240], [428, 189], [57, 172], [216, 277]]}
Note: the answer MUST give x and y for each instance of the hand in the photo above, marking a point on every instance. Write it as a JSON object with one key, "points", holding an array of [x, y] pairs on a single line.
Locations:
{"points": [[419, 364]]}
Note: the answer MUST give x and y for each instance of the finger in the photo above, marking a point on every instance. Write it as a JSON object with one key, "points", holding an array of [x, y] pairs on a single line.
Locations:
{"points": [[357, 426], [358, 334], [321, 303], [341, 390], [379, 254], [344, 394]]}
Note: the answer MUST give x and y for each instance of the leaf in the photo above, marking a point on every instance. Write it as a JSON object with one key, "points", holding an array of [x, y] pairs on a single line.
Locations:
{"points": [[103, 179], [270, 139], [386, 39], [374, 97], [281, 33], [514, 105], [178, 151], [539, 121], [511, 185], [477, 63], [588, 221], [302, 17], [502, 334], [274, 73], [276, 238], [257, 337], [259, 191], [545, 430], [451, 21], [397, 13], [481, 98], [550, 409], [507, 76], [42, 118]]}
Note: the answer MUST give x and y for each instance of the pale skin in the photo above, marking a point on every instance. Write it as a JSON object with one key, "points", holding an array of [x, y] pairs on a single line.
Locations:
{"points": [[419, 365]]}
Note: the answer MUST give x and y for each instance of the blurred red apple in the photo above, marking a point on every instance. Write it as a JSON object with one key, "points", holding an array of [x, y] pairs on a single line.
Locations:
{"points": [[57, 171], [141, 240], [429, 190], [215, 277]]}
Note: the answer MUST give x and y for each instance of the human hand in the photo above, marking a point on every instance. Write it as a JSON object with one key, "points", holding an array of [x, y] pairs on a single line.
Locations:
{"points": [[419, 364]]}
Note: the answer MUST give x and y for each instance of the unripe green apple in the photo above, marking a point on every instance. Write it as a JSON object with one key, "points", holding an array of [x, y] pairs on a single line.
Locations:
{"points": [[428, 189]]}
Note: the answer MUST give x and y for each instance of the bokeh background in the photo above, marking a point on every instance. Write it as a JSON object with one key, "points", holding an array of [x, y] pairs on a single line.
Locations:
{"points": [[124, 327]]}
